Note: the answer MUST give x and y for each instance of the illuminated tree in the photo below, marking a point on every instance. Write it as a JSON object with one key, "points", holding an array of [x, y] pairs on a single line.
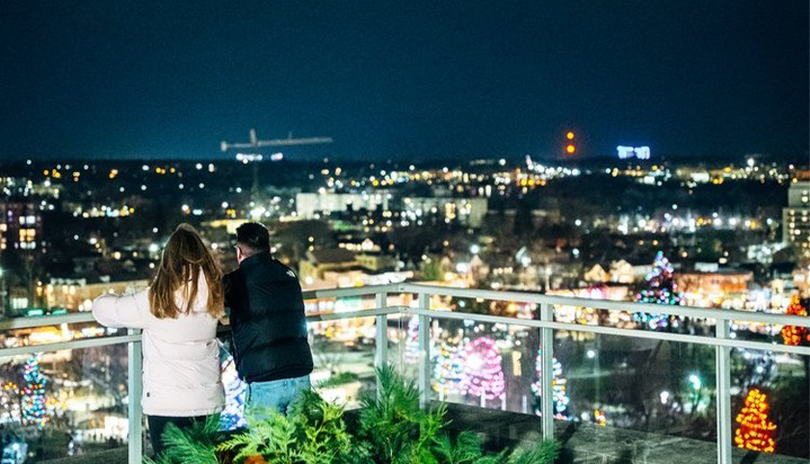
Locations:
{"points": [[756, 431], [792, 334], [483, 375], [33, 400], [448, 369], [660, 289], [558, 387]]}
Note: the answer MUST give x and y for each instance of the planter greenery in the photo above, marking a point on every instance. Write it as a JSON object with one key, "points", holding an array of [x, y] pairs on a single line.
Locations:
{"points": [[391, 428]]}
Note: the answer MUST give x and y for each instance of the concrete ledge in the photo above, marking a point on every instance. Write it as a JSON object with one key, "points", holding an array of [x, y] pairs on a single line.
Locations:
{"points": [[588, 443], [113, 456]]}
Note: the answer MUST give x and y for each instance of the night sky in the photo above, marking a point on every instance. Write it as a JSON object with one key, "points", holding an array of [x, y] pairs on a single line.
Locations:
{"points": [[403, 80]]}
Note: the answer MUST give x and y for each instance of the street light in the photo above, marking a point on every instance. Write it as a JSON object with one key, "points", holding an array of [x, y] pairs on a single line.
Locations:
{"points": [[695, 381]]}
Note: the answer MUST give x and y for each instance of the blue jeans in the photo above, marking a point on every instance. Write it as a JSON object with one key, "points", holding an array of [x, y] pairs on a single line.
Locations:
{"points": [[276, 395]]}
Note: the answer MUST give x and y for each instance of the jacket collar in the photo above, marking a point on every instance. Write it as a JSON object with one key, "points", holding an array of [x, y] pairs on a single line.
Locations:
{"points": [[258, 258]]}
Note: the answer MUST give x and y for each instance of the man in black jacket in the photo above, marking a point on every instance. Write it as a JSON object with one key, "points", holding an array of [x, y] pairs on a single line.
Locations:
{"points": [[266, 309]]}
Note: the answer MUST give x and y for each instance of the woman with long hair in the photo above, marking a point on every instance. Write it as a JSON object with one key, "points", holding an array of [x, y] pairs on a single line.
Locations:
{"points": [[178, 314]]}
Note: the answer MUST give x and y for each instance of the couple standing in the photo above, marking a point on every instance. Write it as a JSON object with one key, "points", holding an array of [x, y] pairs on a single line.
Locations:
{"points": [[179, 312]]}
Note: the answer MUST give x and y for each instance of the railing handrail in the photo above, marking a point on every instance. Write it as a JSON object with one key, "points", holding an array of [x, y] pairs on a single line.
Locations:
{"points": [[121, 339], [349, 291], [492, 295], [34, 322], [609, 305], [602, 330]]}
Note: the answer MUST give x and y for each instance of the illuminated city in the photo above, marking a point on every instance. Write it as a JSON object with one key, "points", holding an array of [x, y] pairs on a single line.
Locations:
{"points": [[595, 228]]}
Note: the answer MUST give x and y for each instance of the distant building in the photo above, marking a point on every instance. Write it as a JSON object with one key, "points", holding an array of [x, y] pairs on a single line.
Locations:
{"points": [[311, 205], [468, 211], [704, 289], [338, 267], [597, 274], [78, 294], [621, 272], [540, 216], [801, 281], [376, 261], [796, 217], [317, 262], [20, 225]]}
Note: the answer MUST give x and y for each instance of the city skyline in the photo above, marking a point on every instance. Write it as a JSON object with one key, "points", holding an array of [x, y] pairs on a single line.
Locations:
{"points": [[397, 81]]}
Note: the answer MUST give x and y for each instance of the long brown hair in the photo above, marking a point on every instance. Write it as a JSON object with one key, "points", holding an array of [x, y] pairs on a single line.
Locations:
{"points": [[185, 256]]}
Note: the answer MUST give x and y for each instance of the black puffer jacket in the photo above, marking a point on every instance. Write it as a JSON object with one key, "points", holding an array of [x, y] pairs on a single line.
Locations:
{"points": [[266, 309]]}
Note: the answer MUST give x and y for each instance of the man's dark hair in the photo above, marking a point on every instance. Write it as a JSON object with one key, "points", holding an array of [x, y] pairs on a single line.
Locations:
{"points": [[253, 238]]}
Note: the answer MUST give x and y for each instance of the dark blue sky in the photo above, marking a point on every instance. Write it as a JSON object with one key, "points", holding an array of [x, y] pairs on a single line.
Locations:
{"points": [[406, 79]]}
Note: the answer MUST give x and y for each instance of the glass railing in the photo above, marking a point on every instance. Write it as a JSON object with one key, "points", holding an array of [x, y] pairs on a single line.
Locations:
{"points": [[615, 391]]}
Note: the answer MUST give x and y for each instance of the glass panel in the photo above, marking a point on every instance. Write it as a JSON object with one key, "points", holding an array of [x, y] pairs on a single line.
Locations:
{"points": [[661, 388], [652, 396], [484, 365], [344, 357], [64, 403], [403, 354], [779, 384]]}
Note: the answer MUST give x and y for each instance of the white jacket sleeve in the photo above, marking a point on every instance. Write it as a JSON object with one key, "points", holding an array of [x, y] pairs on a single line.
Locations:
{"points": [[131, 311]]}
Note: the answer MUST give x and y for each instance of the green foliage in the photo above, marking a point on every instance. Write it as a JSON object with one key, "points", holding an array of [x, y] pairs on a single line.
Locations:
{"points": [[322, 435], [273, 438], [396, 429], [191, 445], [312, 433], [545, 452], [391, 429], [466, 449]]}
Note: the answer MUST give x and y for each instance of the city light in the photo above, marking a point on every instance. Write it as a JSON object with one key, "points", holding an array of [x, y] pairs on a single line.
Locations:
{"points": [[488, 223], [472, 238], [695, 382], [625, 152]]}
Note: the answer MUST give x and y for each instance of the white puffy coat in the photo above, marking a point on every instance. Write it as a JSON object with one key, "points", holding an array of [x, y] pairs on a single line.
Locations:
{"points": [[181, 373]]}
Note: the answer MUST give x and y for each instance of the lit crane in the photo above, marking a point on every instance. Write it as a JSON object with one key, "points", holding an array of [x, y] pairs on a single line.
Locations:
{"points": [[289, 141], [255, 143]]}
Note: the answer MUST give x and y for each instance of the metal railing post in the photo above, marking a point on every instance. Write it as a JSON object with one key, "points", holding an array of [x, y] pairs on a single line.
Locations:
{"points": [[723, 381], [381, 351], [134, 408], [424, 351], [547, 372]]}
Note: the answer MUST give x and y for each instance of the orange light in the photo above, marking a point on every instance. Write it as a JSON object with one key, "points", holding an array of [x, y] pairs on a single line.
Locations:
{"points": [[570, 149], [569, 135]]}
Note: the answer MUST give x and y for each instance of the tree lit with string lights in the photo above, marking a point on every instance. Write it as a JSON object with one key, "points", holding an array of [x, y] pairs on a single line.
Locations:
{"points": [[33, 394], [559, 386], [448, 370], [483, 376], [793, 334], [660, 288], [756, 431]]}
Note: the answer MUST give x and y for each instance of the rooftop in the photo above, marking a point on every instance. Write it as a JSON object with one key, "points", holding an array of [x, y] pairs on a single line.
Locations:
{"points": [[704, 408]]}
